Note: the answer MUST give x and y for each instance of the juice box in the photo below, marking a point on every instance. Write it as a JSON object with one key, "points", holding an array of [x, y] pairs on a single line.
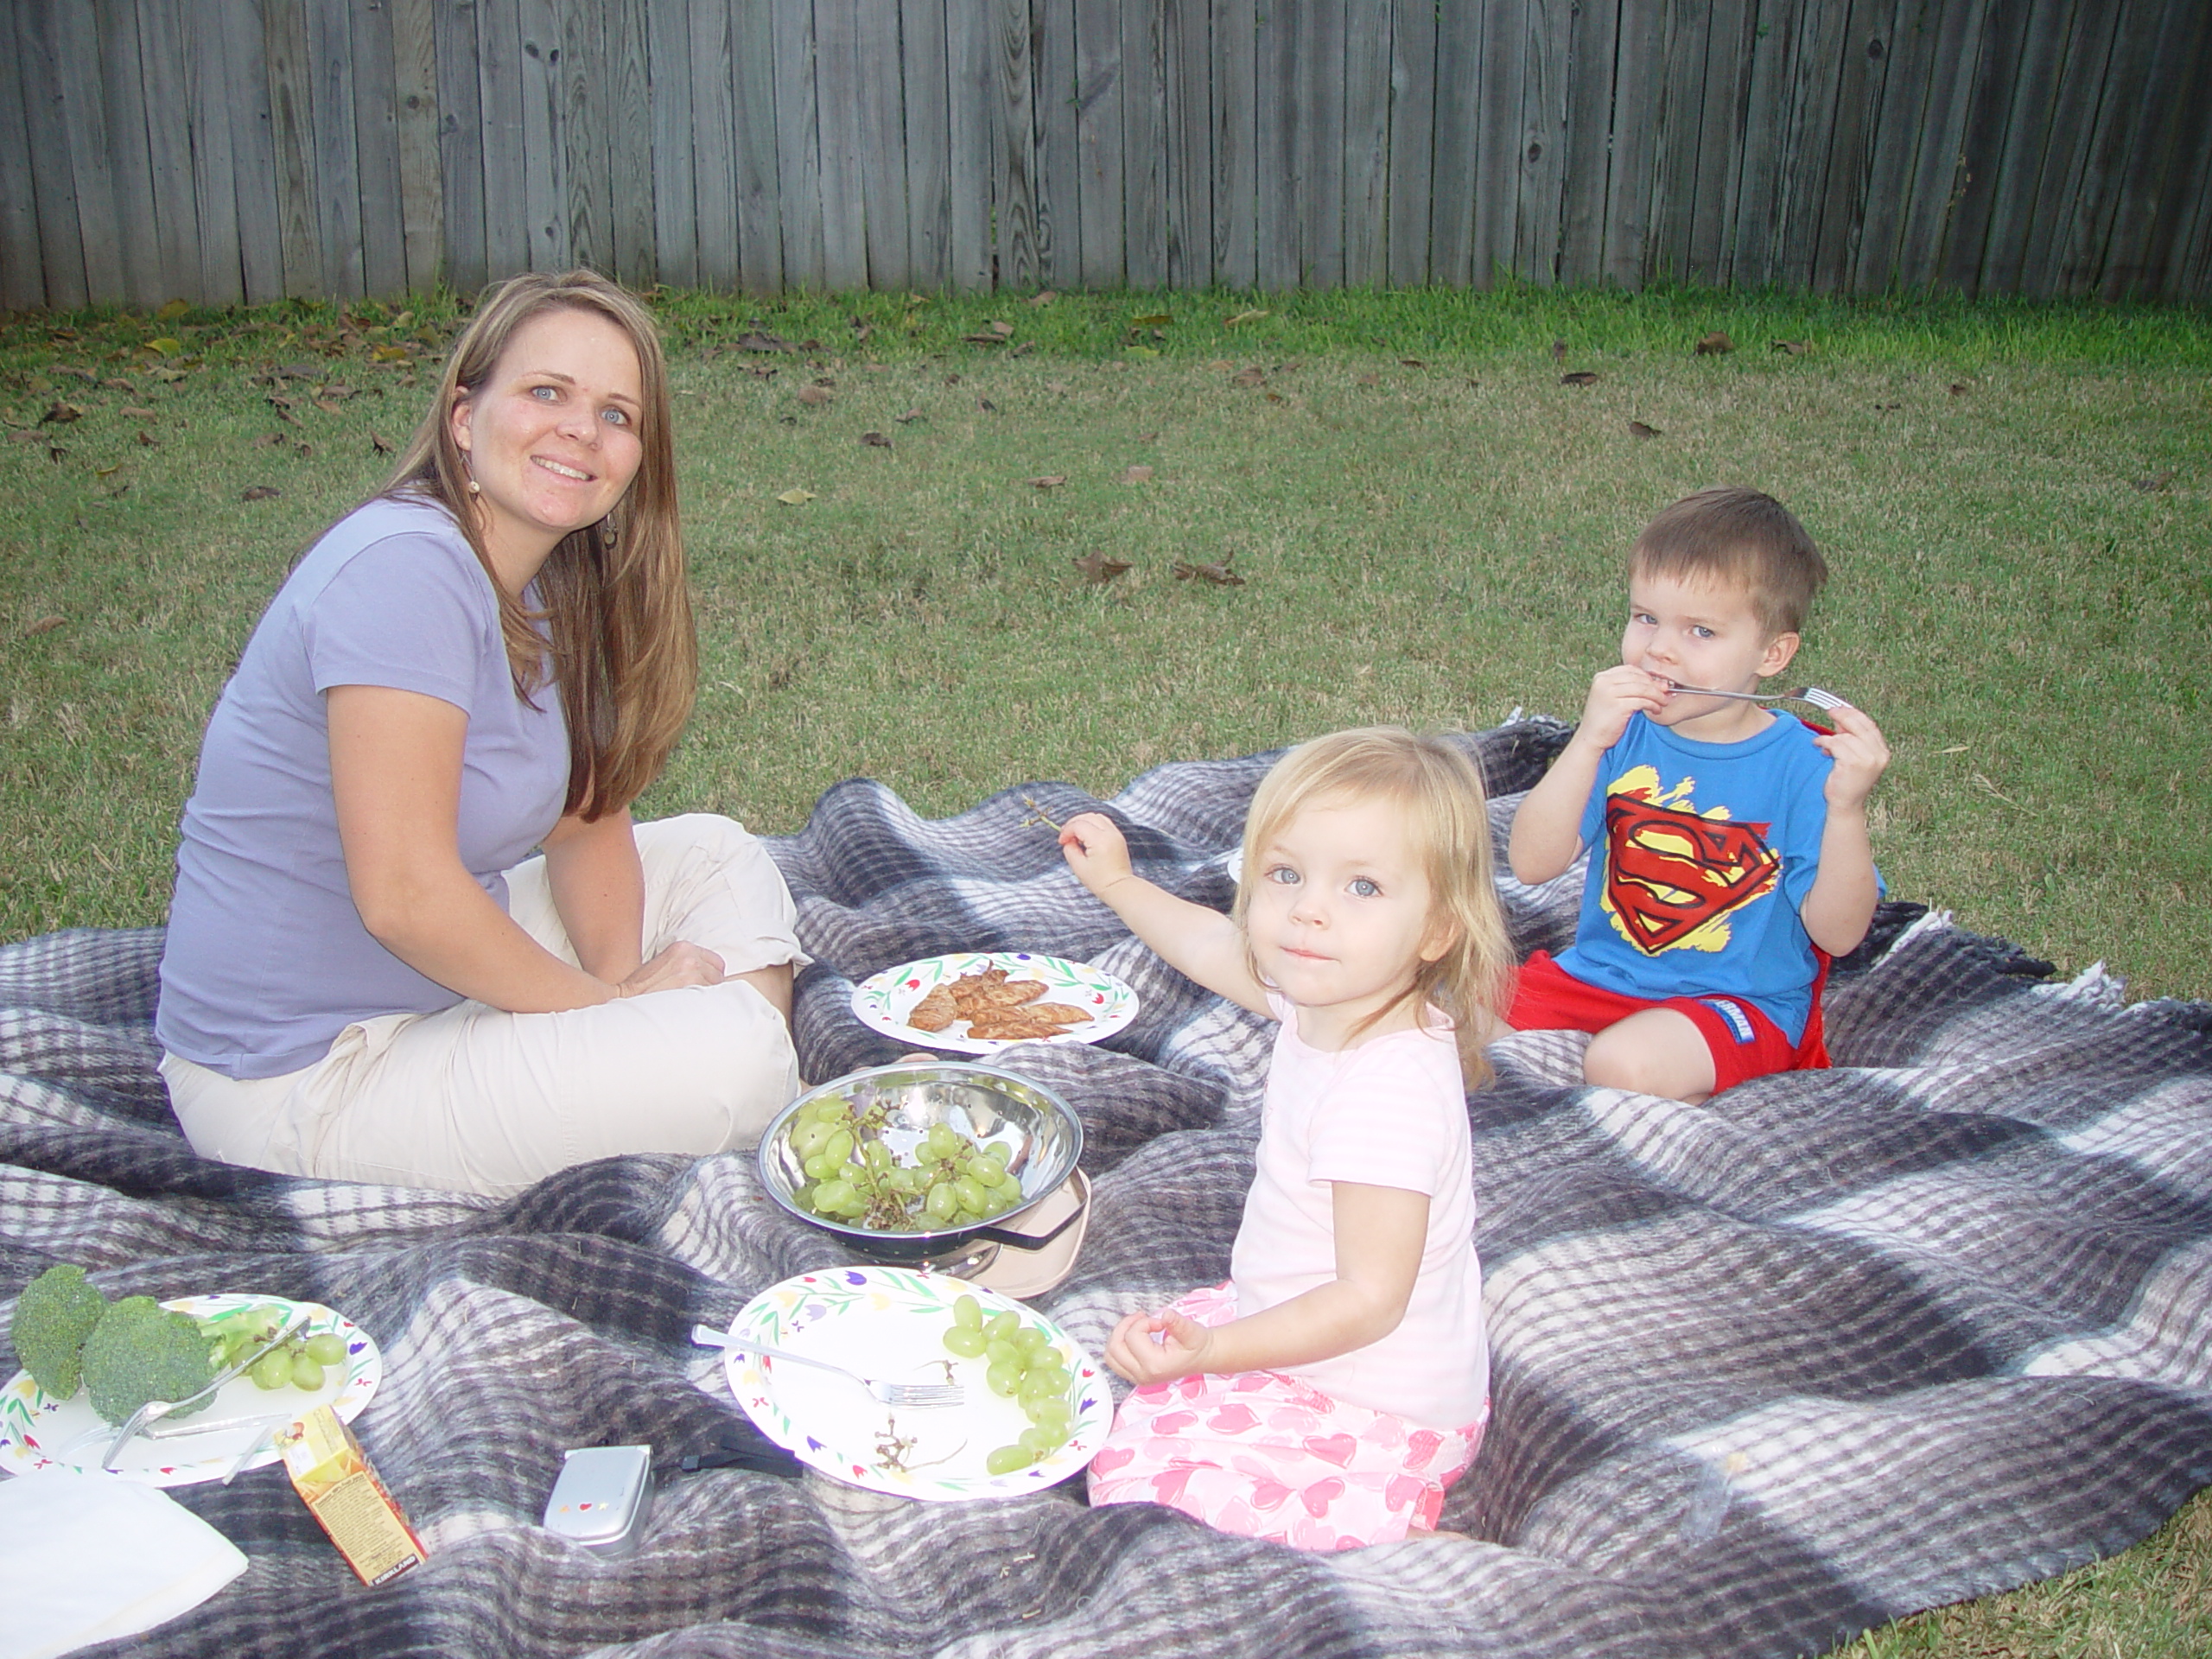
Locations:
{"points": [[333, 1477]]}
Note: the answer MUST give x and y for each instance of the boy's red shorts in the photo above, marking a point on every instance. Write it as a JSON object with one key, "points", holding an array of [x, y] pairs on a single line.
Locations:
{"points": [[1745, 1043]]}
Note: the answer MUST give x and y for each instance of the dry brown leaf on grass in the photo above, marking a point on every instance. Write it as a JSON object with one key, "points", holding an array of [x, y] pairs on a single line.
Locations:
{"points": [[1638, 430], [136, 412], [259, 492], [268, 438], [148, 441], [1413, 363], [1579, 377], [796, 498], [1959, 387], [1219, 575], [814, 396], [62, 414], [1243, 317], [987, 406], [1050, 480], [1098, 569], [381, 444], [759, 341], [1248, 378], [1003, 330], [2156, 482], [909, 417], [45, 624], [1558, 351], [1136, 475], [1367, 379], [984, 340], [1045, 298], [1715, 343], [118, 383], [875, 441], [1795, 348]]}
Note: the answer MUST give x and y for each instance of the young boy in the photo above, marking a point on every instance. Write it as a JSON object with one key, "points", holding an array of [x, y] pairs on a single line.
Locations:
{"points": [[1730, 858]]}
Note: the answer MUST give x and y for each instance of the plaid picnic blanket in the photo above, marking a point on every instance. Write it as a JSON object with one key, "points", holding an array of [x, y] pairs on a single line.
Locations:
{"points": [[1826, 1350]]}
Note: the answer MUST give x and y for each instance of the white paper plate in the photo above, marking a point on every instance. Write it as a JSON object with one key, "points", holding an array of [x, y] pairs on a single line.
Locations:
{"points": [[34, 1425], [889, 1323], [881, 1000]]}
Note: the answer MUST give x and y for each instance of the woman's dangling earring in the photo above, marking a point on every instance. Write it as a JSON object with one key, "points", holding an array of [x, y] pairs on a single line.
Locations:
{"points": [[474, 488], [610, 531]]}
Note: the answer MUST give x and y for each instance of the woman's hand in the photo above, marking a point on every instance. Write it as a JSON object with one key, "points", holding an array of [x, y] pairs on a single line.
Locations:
{"points": [[1158, 1347], [680, 966]]}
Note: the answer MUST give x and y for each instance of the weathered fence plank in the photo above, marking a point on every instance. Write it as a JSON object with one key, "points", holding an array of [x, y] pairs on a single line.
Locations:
{"points": [[1586, 145], [1098, 141], [2058, 207], [1936, 181], [1809, 139], [2079, 248], [422, 193], [1188, 53], [1236, 142], [291, 114], [1412, 133], [1911, 40], [376, 148], [128, 164], [1680, 122], [1320, 140], [1275, 42], [1058, 236], [798, 150], [928, 146], [969, 71], [506, 208], [461, 144], [1014, 174], [54, 189], [1144, 133], [1541, 164], [1453, 170], [84, 125], [629, 142], [845, 210], [1639, 40], [545, 174], [583, 82], [758, 183], [2129, 265], [714, 142], [23, 284], [883, 176], [1367, 143], [1498, 124], [1858, 106], [2027, 141], [161, 68], [337, 174], [1981, 143], [1720, 147], [205, 68]]}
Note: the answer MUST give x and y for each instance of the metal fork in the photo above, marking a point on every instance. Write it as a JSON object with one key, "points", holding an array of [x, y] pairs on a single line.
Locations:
{"points": [[1811, 694], [920, 1396], [154, 1410]]}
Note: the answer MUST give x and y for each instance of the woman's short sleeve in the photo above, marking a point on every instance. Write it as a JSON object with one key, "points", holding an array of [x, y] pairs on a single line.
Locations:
{"points": [[403, 613]]}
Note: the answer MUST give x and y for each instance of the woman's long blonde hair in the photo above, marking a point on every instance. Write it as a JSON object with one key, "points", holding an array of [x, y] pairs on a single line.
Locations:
{"points": [[1447, 824], [617, 603]]}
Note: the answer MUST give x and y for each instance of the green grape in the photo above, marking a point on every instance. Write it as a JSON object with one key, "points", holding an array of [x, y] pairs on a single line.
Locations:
{"points": [[1000, 1152], [808, 1138], [1000, 1352], [968, 1344], [306, 1374], [1007, 1459], [839, 1146], [1034, 1338], [970, 1191], [1002, 1199], [967, 1311], [272, 1370], [829, 1110], [943, 1140], [1051, 1414], [1003, 1380], [327, 1348], [1001, 1326], [941, 1204], [878, 1155], [1041, 1441], [834, 1195], [900, 1180], [818, 1167]]}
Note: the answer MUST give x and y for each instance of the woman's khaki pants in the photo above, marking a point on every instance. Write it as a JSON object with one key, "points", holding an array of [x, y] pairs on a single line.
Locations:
{"points": [[472, 1099]]}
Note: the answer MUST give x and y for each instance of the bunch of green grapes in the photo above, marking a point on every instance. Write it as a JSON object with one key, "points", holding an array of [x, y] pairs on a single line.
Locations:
{"points": [[299, 1360], [852, 1175], [1024, 1366]]}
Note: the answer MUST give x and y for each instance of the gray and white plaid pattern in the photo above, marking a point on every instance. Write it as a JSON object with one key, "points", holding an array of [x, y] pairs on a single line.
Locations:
{"points": [[1827, 1349]]}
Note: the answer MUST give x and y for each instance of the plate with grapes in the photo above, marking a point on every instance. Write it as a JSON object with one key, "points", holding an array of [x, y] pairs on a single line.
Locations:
{"points": [[884, 1000], [891, 1324], [37, 1431]]}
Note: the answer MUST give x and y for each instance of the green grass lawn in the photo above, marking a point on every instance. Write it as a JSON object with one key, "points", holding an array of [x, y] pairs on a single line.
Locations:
{"points": [[1429, 525]]}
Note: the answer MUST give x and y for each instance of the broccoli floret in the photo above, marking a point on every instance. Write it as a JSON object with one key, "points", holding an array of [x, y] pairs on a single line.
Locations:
{"points": [[55, 1314], [140, 1352]]}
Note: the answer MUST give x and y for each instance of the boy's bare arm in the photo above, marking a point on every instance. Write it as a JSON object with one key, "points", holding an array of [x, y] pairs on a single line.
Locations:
{"points": [[1547, 829], [1841, 904], [1193, 940]]}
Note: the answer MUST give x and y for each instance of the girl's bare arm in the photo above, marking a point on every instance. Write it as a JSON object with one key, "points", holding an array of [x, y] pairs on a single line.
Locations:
{"points": [[1202, 943]]}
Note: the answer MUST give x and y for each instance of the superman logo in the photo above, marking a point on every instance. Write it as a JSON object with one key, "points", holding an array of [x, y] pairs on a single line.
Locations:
{"points": [[1669, 872]]}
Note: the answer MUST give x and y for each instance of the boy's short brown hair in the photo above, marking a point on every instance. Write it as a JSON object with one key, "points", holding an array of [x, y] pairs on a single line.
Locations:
{"points": [[1740, 538]]}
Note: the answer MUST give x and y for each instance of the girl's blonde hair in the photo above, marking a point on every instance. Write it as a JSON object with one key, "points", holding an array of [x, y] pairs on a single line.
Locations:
{"points": [[618, 604], [1447, 824]]}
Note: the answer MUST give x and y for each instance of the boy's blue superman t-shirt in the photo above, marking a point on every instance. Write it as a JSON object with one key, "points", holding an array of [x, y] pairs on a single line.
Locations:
{"points": [[1700, 856]]}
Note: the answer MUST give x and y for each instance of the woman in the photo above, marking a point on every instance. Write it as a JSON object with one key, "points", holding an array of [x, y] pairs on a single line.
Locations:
{"points": [[364, 979]]}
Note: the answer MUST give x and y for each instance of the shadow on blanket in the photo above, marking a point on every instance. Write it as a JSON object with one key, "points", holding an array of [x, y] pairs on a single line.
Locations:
{"points": [[1826, 1349]]}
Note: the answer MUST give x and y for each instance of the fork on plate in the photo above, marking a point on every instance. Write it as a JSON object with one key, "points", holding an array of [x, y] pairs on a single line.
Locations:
{"points": [[154, 1410], [920, 1396], [1811, 694]]}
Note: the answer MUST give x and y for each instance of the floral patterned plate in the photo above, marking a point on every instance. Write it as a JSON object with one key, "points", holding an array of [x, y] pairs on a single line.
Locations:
{"points": [[881, 1000], [889, 1323], [34, 1426]]}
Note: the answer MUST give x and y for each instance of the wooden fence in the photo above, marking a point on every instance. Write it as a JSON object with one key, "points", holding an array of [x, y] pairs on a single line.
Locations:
{"points": [[226, 150]]}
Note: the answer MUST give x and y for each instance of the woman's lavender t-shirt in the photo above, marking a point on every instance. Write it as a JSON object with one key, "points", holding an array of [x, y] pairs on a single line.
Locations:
{"points": [[266, 960]]}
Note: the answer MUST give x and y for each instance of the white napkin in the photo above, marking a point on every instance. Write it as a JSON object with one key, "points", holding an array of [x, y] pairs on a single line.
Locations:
{"points": [[88, 1558]]}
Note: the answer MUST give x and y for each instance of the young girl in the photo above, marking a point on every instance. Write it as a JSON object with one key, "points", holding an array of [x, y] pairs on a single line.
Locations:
{"points": [[1326, 1395]]}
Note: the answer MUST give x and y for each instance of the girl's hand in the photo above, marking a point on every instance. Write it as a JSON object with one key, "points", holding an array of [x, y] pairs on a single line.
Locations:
{"points": [[679, 966], [1861, 754], [1616, 694], [1094, 847], [1157, 1347]]}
